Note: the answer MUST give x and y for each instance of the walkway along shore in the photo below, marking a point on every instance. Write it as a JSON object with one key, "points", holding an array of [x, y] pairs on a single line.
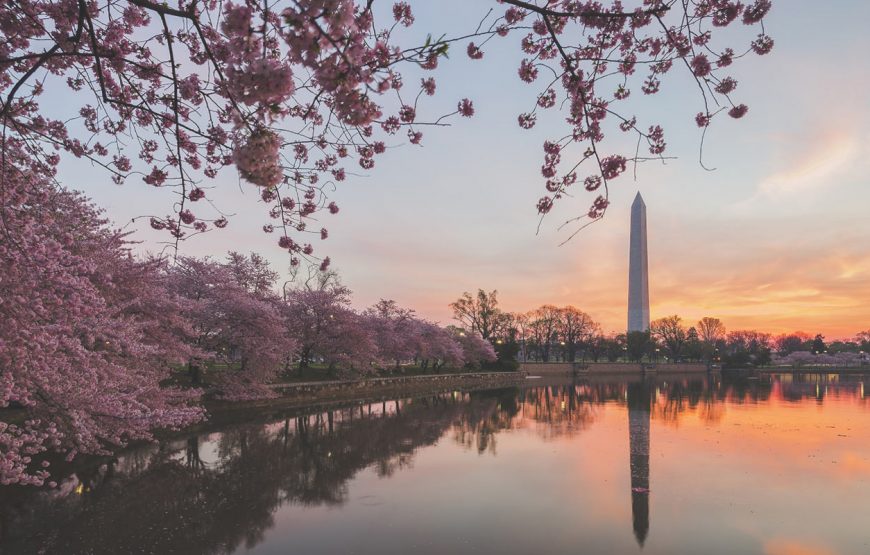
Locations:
{"points": [[328, 393]]}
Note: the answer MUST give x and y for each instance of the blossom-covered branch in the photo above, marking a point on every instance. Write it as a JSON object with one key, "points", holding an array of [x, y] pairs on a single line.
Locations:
{"points": [[293, 93]]}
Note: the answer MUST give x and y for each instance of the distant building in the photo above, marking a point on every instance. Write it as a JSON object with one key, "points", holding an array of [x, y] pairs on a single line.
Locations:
{"points": [[638, 273]]}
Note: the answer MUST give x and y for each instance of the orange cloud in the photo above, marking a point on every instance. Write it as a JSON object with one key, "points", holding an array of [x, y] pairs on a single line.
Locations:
{"points": [[773, 292], [772, 287], [782, 546]]}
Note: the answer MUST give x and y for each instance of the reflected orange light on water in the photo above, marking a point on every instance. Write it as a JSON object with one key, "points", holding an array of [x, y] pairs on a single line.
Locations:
{"points": [[736, 464]]}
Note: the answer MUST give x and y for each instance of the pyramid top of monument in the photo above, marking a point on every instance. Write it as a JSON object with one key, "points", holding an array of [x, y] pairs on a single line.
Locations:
{"points": [[638, 200]]}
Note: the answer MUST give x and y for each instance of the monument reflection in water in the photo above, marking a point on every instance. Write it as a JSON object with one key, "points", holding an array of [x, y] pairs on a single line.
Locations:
{"points": [[511, 471], [639, 406]]}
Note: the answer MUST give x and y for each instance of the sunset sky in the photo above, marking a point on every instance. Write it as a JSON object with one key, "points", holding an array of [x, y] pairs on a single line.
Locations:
{"points": [[776, 238]]}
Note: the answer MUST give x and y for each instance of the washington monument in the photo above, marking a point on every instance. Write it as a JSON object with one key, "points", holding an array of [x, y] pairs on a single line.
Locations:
{"points": [[638, 274]]}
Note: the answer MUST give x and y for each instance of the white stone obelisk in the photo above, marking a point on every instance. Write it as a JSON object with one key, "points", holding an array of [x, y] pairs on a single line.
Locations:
{"points": [[638, 274]]}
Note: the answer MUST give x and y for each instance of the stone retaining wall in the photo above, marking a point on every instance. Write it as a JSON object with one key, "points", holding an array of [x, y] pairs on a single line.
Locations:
{"points": [[313, 393], [548, 368], [305, 388], [861, 369], [604, 368]]}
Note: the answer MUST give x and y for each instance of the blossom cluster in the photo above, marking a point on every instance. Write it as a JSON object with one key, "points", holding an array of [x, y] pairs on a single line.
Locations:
{"points": [[291, 93], [258, 158], [89, 332], [599, 52], [261, 82]]}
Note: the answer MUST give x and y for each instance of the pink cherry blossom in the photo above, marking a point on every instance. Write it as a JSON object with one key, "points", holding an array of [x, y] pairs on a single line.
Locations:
{"points": [[466, 108], [756, 11], [258, 159], [527, 121], [700, 65], [428, 85], [528, 72], [739, 111], [402, 13], [726, 85], [89, 331], [762, 45], [474, 52]]}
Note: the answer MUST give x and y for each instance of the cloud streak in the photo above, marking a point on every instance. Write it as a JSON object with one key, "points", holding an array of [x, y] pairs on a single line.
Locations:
{"points": [[816, 168]]}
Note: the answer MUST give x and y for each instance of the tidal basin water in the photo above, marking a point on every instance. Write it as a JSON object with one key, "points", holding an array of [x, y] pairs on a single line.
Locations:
{"points": [[768, 464]]}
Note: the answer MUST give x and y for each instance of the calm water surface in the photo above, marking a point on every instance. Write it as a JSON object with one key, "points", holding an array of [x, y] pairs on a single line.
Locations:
{"points": [[775, 465]]}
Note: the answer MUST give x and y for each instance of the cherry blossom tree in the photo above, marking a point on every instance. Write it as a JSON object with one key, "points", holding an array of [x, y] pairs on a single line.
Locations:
{"points": [[237, 320], [316, 317], [475, 349], [394, 328], [349, 343], [436, 345], [806, 358], [252, 273], [326, 328], [293, 93], [251, 333], [82, 352]]}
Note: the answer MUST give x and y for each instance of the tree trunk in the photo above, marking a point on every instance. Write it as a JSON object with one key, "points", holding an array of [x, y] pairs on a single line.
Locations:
{"points": [[194, 371], [304, 360]]}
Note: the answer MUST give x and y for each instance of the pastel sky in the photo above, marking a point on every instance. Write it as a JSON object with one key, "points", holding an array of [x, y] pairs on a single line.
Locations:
{"points": [[776, 238]]}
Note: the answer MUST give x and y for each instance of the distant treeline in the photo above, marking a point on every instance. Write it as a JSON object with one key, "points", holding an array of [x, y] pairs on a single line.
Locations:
{"points": [[552, 333]]}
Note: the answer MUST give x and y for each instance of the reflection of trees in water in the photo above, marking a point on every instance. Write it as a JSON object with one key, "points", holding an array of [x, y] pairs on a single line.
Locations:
{"points": [[170, 499], [488, 413], [552, 411], [818, 386], [563, 410], [215, 493], [677, 397], [567, 409]]}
